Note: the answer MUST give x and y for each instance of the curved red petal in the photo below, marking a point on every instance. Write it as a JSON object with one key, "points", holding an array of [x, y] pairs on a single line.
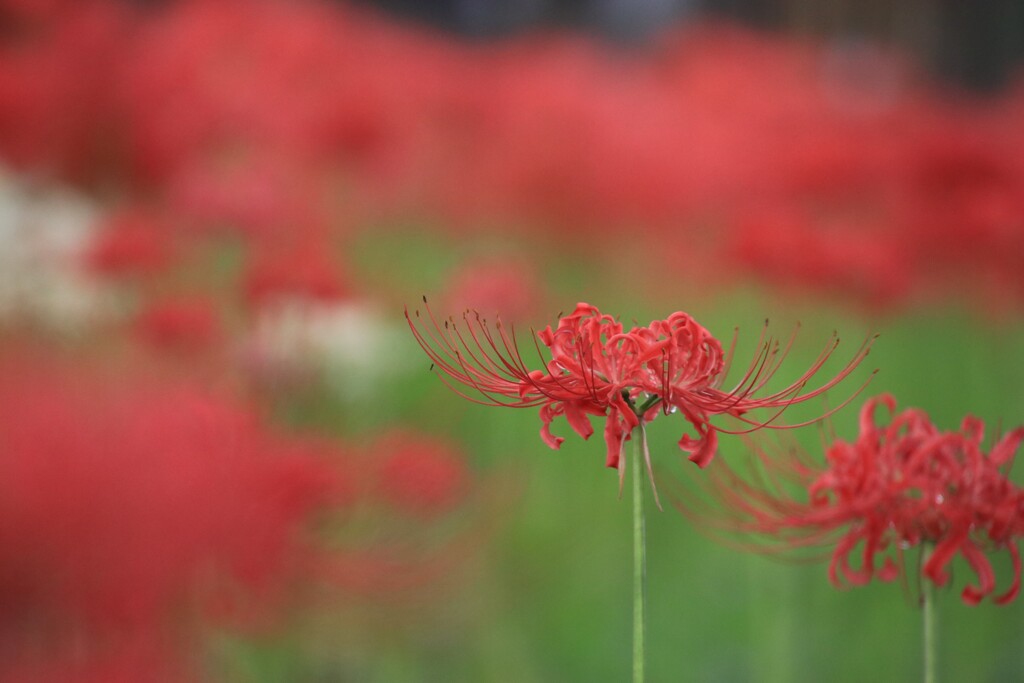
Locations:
{"points": [[983, 568], [1014, 589]]}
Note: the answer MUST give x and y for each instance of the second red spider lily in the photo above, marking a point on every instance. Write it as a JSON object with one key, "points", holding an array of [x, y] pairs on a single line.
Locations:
{"points": [[898, 486], [598, 368]]}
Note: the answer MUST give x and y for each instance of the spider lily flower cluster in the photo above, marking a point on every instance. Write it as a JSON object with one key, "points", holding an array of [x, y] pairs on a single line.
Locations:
{"points": [[597, 368], [897, 486]]}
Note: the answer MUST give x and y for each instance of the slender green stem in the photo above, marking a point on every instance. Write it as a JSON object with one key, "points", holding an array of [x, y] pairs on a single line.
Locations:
{"points": [[930, 625], [648, 404], [639, 557]]}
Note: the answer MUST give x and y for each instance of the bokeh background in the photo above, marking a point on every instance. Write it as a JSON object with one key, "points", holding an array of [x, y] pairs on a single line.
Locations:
{"points": [[223, 456]]}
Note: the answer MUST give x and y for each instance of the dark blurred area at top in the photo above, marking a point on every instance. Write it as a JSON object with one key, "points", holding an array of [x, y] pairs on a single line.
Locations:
{"points": [[977, 44]]}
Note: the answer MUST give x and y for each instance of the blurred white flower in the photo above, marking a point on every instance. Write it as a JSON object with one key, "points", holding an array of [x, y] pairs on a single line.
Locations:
{"points": [[350, 342], [43, 232]]}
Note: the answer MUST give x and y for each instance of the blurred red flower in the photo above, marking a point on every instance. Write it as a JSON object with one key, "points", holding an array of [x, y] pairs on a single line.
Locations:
{"points": [[897, 486], [418, 474], [303, 272], [56, 109], [498, 285], [130, 242], [180, 324], [128, 506]]}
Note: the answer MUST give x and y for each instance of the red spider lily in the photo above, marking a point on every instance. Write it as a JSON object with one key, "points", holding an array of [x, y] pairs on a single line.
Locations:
{"points": [[136, 512], [898, 486], [597, 368], [149, 488], [129, 508]]}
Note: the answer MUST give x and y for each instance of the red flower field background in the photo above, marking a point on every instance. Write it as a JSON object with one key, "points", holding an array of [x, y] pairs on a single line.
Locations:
{"points": [[223, 456]]}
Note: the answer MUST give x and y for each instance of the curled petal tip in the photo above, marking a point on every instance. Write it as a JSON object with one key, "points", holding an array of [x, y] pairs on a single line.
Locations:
{"points": [[970, 596]]}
